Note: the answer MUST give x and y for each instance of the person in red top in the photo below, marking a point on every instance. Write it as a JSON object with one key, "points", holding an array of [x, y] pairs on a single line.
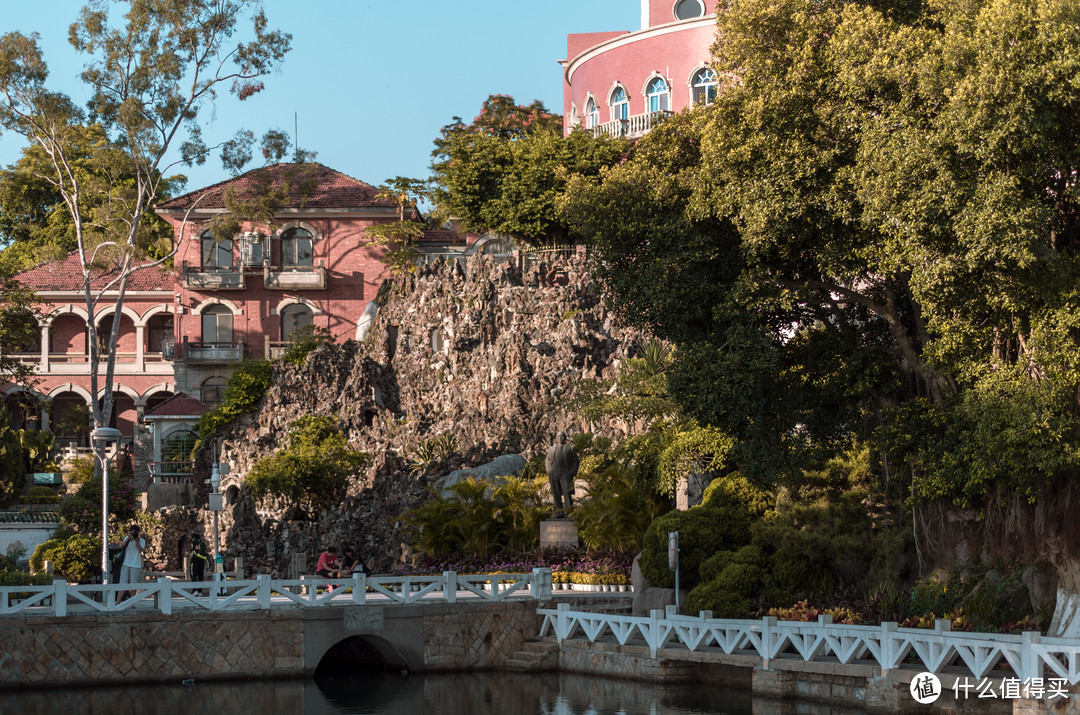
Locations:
{"points": [[328, 563]]}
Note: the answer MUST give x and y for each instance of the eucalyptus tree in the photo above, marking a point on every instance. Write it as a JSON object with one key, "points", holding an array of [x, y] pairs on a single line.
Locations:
{"points": [[152, 67]]}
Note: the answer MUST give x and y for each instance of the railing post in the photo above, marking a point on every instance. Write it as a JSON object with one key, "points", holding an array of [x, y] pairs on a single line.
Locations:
{"points": [[1030, 665], [540, 585], [888, 629], [59, 597], [164, 596], [562, 620], [263, 591], [653, 639], [451, 586], [768, 633]]}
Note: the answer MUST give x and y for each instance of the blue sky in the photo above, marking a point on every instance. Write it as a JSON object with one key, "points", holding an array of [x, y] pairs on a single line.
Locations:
{"points": [[371, 82]]}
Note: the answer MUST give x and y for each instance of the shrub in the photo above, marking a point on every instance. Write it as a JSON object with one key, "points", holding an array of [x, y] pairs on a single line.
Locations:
{"points": [[245, 388], [703, 531], [76, 558], [82, 511], [303, 341], [734, 581], [313, 470]]}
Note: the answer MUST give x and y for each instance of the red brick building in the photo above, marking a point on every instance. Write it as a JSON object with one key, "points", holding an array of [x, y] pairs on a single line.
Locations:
{"points": [[185, 329], [621, 83]]}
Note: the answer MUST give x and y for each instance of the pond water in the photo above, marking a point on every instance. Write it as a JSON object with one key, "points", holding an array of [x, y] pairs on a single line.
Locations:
{"points": [[390, 693]]}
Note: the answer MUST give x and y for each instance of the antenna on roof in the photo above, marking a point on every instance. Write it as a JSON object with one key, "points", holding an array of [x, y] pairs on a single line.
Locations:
{"points": [[296, 141]]}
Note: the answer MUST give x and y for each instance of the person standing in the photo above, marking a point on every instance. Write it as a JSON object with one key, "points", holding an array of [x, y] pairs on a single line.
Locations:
{"points": [[133, 546], [200, 557]]}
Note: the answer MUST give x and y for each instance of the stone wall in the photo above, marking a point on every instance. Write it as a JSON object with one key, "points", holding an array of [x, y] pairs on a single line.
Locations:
{"points": [[485, 353], [129, 648], [476, 638]]}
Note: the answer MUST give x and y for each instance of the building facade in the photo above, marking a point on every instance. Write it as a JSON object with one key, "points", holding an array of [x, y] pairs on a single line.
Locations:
{"points": [[621, 83], [183, 330]]}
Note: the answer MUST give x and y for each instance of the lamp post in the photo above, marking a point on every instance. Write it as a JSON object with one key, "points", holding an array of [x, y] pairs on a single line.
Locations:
{"points": [[101, 436], [216, 505], [215, 502]]}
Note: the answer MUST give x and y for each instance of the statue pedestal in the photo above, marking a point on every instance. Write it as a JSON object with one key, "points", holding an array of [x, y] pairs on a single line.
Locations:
{"points": [[558, 533]]}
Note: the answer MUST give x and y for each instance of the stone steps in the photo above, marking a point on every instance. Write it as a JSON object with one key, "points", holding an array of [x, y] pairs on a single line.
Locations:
{"points": [[534, 656]]}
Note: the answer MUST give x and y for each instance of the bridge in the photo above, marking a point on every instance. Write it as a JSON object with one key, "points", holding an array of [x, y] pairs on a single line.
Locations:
{"points": [[263, 627], [172, 631]]}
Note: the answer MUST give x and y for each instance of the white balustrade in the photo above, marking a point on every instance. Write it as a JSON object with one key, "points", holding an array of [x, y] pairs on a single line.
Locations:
{"points": [[262, 593], [1028, 655]]}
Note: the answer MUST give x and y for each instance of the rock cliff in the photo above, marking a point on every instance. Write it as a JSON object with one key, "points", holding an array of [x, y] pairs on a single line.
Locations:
{"points": [[482, 352]]}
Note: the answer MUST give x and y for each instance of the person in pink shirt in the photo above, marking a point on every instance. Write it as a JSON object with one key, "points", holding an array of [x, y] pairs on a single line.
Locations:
{"points": [[328, 563]]}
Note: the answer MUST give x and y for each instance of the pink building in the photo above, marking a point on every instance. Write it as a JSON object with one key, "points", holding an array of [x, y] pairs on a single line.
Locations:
{"points": [[621, 83], [184, 330]]}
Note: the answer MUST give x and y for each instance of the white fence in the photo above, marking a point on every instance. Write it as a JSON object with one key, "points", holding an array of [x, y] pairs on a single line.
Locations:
{"points": [[1028, 655], [165, 595]]}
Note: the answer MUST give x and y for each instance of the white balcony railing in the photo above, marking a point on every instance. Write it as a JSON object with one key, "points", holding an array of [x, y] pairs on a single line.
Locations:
{"points": [[212, 277], [631, 127], [216, 353], [294, 277]]}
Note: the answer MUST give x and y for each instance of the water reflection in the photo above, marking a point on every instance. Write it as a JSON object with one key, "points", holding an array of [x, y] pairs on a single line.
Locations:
{"points": [[391, 693]]}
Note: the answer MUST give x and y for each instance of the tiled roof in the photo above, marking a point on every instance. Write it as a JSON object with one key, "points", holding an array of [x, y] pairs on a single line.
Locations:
{"points": [[67, 275], [179, 405], [332, 189], [442, 236], [29, 517]]}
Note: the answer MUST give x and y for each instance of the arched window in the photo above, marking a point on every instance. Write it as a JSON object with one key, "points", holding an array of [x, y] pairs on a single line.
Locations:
{"points": [[496, 247], [657, 94], [703, 87], [592, 114], [176, 452], [216, 254], [437, 342], [620, 104], [689, 9], [217, 325], [293, 318], [296, 249], [212, 391]]}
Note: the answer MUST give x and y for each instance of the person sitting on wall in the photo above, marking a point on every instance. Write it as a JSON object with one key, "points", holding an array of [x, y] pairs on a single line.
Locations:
{"points": [[328, 566], [350, 563]]}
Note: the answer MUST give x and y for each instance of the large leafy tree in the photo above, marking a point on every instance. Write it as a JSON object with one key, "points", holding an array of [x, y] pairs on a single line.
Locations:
{"points": [[504, 171], [35, 224], [150, 72], [874, 227]]}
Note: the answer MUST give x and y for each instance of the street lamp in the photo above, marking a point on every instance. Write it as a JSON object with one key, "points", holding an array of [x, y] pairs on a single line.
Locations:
{"points": [[104, 435], [216, 505]]}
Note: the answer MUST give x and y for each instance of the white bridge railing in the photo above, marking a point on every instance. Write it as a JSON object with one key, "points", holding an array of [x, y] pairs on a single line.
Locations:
{"points": [[165, 595], [1028, 655]]}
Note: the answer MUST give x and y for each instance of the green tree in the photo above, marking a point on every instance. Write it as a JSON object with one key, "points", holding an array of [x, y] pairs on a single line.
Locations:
{"points": [[313, 471], [35, 224], [12, 460], [873, 227], [504, 171], [19, 330], [149, 77], [400, 238]]}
